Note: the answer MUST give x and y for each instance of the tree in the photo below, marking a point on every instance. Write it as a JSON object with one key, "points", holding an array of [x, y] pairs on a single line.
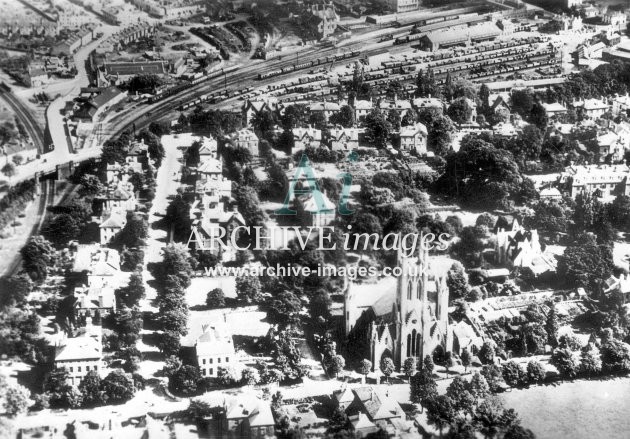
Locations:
{"points": [[338, 421], [615, 356], [169, 343], [37, 255], [585, 264], [15, 290], [566, 361], [466, 359], [365, 368], [590, 362], [460, 111], [336, 365], [185, 381], [171, 365], [118, 387], [90, 185], [409, 367], [552, 325], [134, 233], [458, 392], [16, 400], [428, 364], [518, 432], [284, 309], [377, 128], [484, 97], [249, 289], [422, 387], [9, 170], [535, 372], [489, 416], [61, 229], [226, 376], [513, 374], [493, 375], [486, 353], [345, 117], [457, 282], [131, 295], [249, 376], [440, 411], [90, 387], [440, 133], [215, 299], [479, 387], [387, 367]]}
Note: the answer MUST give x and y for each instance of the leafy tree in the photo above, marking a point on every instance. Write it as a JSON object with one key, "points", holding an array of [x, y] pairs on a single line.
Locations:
{"points": [[90, 387], [440, 411], [15, 289], [457, 282], [428, 364], [513, 374], [493, 375], [284, 309], [365, 367], [171, 365], [169, 343], [118, 387], [590, 362], [177, 219], [552, 325], [566, 361], [226, 376], [377, 128], [61, 229], [460, 111], [615, 356], [128, 324], [489, 416], [131, 295], [185, 381], [387, 366], [37, 255], [249, 376], [423, 387], [337, 364], [9, 170], [215, 299], [518, 432], [466, 359], [479, 387], [440, 133], [486, 353], [338, 421], [535, 372], [249, 289], [461, 397], [409, 367], [16, 400], [585, 264], [90, 185], [345, 117]]}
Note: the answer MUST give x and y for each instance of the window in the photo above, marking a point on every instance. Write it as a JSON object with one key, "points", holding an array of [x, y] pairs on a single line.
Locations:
{"points": [[218, 360], [204, 361], [210, 361], [203, 371], [227, 359], [87, 368], [79, 369], [211, 371], [71, 369]]}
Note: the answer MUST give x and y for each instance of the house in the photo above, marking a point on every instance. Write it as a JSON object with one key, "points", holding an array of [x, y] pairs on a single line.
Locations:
{"points": [[550, 193], [112, 223], [251, 109], [246, 138], [554, 109], [375, 404], [620, 285], [214, 349], [327, 18], [361, 109], [414, 138], [610, 146], [324, 108], [37, 77], [516, 246], [247, 416], [401, 6], [209, 219], [211, 168], [426, 103], [80, 355], [344, 139], [399, 106], [208, 148], [465, 336], [305, 137], [14, 149], [118, 196], [90, 301], [620, 104], [137, 156], [593, 108], [101, 265], [604, 181], [320, 207]]}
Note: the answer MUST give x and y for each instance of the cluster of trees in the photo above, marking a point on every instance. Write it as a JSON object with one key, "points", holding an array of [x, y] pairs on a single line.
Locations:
{"points": [[15, 399], [15, 201], [38, 255], [467, 407], [69, 221], [116, 388], [144, 83], [483, 176], [173, 275]]}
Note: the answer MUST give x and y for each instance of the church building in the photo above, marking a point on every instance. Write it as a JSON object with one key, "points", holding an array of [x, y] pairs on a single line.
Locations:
{"points": [[401, 317]]}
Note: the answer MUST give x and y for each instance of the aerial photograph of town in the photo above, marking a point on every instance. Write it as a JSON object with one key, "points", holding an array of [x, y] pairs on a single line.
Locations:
{"points": [[295, 219]]}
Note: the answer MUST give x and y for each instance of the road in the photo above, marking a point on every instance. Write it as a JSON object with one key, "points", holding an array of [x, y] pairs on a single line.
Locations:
{"points": [[33, 129]]}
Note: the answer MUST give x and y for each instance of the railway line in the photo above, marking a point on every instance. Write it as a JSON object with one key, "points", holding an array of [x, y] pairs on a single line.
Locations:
{"points": [[32, 127]]}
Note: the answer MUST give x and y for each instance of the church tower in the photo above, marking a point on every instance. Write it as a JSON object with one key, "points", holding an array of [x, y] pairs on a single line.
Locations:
{"points": [[411, 301]]}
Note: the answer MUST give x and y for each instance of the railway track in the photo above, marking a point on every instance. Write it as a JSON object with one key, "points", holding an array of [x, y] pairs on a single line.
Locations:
{"points": [[33, 129]]}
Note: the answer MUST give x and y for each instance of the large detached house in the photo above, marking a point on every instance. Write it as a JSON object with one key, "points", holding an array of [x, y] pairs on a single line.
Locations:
{"points": [[248, 417], [414, 138], [80, 355], [214, 349]]}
